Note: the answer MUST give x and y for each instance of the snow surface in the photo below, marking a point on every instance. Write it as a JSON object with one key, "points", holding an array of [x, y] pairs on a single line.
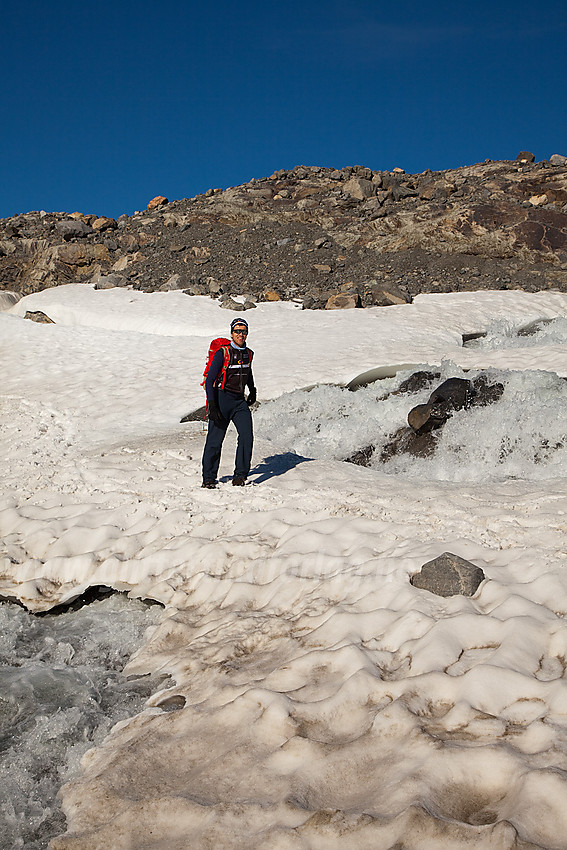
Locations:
{"points": [[323, 701]]}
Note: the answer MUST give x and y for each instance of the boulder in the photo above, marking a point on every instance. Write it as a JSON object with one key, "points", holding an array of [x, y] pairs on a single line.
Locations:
{"points": [[271, 295], [173, 282], [72, 228], [525, 156], [558, 159], [359, 187], [401, 191], [109, 281], [231, 304], [383, 295], [104, 223], [342, 301], [158, 201], [449, 575], [453, 394]]}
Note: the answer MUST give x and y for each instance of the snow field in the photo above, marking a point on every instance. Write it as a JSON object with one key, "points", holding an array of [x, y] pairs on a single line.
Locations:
{"points": [[322, 700]]}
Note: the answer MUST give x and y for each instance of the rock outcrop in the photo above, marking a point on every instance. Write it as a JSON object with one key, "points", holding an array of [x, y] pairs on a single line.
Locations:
{"points": [[329, 237]]}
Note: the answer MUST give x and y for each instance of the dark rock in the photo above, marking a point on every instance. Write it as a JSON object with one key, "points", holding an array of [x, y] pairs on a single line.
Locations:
{"points": [[486, 393], [453, 394], [449, 575], [400, 192], [231, 304], [407, 441], [418, 381], [38, 316], [198, 415], [361, 457], [377, 294], [525, 156], [472, 336], [73, 229], [13, 229]]}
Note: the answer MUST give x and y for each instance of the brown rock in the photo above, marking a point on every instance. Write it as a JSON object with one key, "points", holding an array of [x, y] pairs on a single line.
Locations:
{"points": [[525, 156], [158, 201], [77, 254], [271, 295], [342, 302], [103, 223], [38, 316]]}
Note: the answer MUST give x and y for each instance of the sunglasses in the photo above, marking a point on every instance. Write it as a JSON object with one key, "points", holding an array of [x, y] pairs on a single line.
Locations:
{"points": [[239, 331]]}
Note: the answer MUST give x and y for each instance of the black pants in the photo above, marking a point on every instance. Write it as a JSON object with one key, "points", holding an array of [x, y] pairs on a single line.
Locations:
{"points": [[233, 409]]}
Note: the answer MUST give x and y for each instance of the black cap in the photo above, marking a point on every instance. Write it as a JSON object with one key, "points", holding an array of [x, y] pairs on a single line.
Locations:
{"points": [[236, 322]]}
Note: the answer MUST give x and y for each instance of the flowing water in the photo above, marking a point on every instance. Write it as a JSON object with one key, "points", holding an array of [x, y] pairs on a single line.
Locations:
{"points": [[61, 691], [521, 436]]}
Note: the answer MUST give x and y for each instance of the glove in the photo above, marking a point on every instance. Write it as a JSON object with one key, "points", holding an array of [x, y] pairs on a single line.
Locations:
{"points": [[251, 397], [215, 415]]}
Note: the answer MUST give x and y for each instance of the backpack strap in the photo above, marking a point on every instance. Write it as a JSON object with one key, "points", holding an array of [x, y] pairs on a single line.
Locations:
{"points": [[221, 378]]}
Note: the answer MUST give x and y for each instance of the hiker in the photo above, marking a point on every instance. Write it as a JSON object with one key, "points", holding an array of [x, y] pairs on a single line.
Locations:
{"points": [[229, 373]]}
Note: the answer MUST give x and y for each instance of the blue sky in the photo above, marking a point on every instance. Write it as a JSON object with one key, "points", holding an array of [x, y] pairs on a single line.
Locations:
{"points": [[105, 105]]}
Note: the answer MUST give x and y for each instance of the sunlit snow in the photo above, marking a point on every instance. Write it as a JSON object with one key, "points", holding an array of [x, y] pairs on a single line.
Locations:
{"points": [[318, 699]]}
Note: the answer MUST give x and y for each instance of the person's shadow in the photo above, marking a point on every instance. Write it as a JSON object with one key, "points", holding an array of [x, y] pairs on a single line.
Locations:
{"points": [[277, 465]]}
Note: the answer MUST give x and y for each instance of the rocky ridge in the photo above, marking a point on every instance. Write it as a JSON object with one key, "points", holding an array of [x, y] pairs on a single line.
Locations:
{"points": [[352, 237]]}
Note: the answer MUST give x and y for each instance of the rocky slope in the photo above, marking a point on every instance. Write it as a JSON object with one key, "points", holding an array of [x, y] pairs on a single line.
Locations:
{"points": [[353, 237]]}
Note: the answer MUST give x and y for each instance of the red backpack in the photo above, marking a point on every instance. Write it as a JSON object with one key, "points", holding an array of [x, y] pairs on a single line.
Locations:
{"points": [[219, 342]]}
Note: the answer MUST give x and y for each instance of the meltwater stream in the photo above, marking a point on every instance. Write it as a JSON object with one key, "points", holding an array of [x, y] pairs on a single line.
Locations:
{"points": [[61, 691], [520, 436]]}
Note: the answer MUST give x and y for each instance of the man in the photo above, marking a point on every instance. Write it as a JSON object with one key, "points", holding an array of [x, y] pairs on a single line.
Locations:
{"points": [[225, 398]]}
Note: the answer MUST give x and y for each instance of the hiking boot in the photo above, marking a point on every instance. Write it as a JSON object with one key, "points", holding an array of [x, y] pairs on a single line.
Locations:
{"points": [[210, 485], [238, 482]]}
